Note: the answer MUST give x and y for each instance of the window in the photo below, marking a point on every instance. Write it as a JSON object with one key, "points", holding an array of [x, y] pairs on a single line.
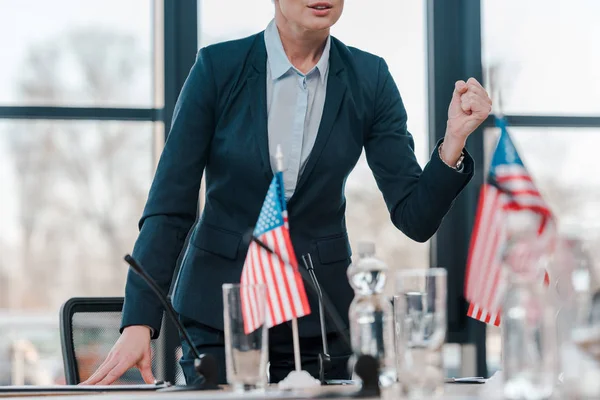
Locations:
{"points": [[76, 53], [397, 35], [533, 52], [72, 190], [72, 193], [541, 55], [218, 24], [562, 163]]}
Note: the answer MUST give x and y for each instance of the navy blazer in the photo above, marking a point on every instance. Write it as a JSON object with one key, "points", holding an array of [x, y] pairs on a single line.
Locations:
{"points": [[220, 126]]}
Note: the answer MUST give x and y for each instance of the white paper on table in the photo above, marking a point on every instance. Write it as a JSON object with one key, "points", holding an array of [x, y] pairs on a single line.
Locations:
{"points": [[81, 388]]}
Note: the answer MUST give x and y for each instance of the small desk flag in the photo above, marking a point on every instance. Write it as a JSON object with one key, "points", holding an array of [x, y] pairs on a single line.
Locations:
{"points": [[286, 295], [508, 188]]}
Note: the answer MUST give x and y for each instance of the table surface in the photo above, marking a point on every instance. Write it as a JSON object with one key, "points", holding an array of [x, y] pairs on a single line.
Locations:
{"points": [[489, 390]]}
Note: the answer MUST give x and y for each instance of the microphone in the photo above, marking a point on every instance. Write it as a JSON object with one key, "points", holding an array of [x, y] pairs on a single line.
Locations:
{"points": [[366, 366], [204, 364], [324, 357]]}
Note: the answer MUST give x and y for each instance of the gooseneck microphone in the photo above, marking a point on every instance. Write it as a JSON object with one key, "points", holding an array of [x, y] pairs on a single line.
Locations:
{"points": [[324, 357], [204, 364]]}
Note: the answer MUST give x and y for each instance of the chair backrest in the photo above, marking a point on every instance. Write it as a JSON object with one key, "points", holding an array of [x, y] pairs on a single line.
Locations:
{"points": [[89, 327]]}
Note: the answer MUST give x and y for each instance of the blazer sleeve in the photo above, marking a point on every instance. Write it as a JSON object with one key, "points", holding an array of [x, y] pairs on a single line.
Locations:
{"points": [[417, 199], [172, 203]]}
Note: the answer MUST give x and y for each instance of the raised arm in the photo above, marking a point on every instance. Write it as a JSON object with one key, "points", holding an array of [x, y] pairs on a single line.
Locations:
{"points": [[417, 199]]}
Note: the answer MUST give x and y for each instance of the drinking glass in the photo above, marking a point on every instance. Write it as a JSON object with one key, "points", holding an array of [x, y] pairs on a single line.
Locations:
{"points": [[246, 353]]}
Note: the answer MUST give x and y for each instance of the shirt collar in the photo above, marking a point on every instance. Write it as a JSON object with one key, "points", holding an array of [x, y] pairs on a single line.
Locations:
{"points": [[278, 61]]}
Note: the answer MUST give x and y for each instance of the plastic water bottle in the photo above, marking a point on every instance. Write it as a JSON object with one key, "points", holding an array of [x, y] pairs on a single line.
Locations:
{"points": [[371, 313], [579, 374], [529, 348]]}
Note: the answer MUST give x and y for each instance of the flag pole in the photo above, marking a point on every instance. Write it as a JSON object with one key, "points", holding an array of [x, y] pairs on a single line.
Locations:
{"points": [[296, 379], [296, 344], [279, 159]]}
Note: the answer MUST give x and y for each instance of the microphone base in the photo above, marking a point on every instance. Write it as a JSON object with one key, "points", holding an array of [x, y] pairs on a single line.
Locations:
{"points": [[324, 367], [206, 368], [367, 369]]}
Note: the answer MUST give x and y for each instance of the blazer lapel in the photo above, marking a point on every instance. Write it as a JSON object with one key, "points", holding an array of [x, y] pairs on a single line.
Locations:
{"points": [[336, 88], [256, 85]]}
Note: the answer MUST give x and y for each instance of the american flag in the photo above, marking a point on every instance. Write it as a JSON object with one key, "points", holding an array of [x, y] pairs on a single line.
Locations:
{"points": [[285, 293], [509, 189]]}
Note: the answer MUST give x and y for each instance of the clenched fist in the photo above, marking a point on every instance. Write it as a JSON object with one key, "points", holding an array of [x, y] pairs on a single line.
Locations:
{"points": [[470, 106]]}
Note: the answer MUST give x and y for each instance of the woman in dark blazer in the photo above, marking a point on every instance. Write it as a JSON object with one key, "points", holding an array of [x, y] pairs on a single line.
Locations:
{"points": [[296, 86]]}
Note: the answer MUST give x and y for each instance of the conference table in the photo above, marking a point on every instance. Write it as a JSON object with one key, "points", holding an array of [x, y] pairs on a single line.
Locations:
{"points": [[453, 391]]}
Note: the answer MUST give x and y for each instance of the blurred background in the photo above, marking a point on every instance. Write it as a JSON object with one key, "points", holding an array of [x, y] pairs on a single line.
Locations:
{"points": [[87, 88]]}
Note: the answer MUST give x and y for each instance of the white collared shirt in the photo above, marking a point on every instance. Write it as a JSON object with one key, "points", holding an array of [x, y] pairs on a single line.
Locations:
{"points": [[294, 107]]}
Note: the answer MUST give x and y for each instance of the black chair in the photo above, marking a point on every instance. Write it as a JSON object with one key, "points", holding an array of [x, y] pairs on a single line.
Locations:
{"points": [[89, 327]]}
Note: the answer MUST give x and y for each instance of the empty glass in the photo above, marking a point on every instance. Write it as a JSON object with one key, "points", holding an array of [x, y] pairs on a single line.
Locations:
{"points": [[246, 355], [420, 316]]}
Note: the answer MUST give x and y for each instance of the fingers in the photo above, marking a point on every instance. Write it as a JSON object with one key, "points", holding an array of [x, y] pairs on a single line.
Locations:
{"points": [[112, 368], [479, 91], [460, 87], [115, 373], [465, 106], [147, 374], [102, 371], [471, 86], [132, 348], [145, 367], [474, 82], [474, 100], [472, 103]]}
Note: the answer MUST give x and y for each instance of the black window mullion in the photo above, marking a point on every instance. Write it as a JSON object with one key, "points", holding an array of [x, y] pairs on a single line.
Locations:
{"points": [[548, 121], [454, 52], [81, 113]]}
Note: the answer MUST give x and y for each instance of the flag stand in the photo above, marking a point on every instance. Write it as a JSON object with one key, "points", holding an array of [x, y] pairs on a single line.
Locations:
{"points": [[296, 345], [298, 379]]}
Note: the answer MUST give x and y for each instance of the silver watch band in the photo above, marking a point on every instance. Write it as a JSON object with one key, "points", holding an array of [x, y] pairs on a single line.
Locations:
{"points": [[459, 163]]}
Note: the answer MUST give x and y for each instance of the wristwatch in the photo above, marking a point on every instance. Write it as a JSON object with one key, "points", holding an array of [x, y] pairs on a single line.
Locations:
{"points": [[459, 164]]}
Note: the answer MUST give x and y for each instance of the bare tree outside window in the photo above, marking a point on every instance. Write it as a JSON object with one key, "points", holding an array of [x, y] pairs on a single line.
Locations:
{"points": [[80, 186]]}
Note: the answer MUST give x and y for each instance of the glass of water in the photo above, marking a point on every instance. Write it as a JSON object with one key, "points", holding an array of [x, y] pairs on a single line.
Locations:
{"points": [[246, 336], [420, 325]]}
